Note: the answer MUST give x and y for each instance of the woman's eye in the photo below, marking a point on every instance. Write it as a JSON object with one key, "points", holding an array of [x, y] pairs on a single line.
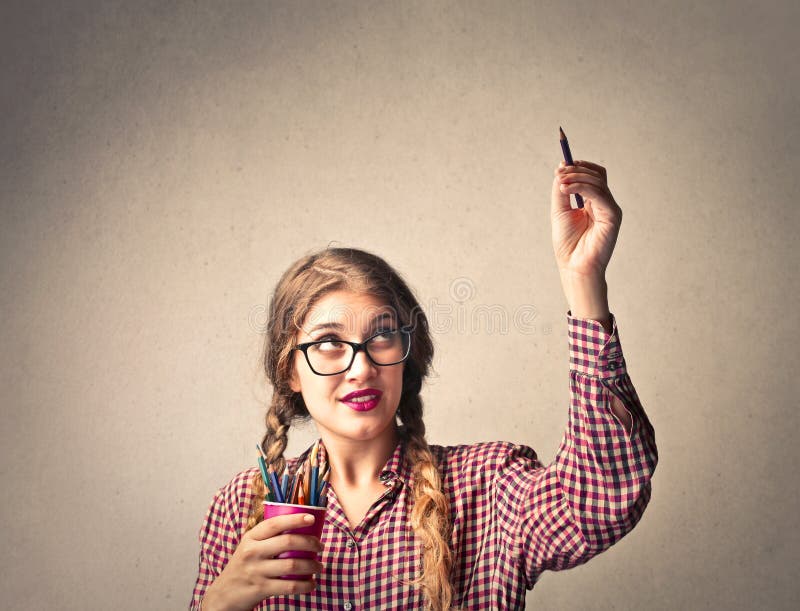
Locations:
{"points": [[327, 338], [331, 344]]}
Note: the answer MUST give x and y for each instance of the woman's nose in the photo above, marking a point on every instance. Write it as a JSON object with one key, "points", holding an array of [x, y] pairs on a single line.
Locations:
{"points": [[362, 367]]}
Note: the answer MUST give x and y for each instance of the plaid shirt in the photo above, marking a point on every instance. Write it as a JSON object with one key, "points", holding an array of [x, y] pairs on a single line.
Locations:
{"points": [[512, 516]]}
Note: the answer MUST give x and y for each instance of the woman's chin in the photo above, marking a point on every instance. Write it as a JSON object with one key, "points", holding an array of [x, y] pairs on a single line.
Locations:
{"points": [[366, 431]]}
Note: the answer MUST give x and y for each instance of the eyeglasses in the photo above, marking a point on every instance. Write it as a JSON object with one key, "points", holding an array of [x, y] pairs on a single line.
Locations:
{"points": [[329, 357]]}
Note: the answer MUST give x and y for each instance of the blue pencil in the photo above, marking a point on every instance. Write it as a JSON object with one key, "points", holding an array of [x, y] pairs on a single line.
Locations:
{"points": [[313, 487], [274, 479], [312, 490], [285, 484]]}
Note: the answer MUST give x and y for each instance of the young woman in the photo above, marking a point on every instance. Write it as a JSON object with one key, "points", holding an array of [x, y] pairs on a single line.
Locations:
{"points": [[411, 525]]}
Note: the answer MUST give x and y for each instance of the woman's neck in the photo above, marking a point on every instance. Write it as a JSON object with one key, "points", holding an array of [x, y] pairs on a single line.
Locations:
{"points": [[357, 464]]}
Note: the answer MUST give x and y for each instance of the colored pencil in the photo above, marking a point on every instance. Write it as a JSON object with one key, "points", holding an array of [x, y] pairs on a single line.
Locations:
{"points": [[263, 468], [306, 486], [322, 497], [276, 486], [285, 483], [314, 475], [568, 159], [301, 495], [298, 489]]}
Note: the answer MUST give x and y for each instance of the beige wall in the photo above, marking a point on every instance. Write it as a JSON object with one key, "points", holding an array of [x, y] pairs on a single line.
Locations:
{"points": [[162, 165]]}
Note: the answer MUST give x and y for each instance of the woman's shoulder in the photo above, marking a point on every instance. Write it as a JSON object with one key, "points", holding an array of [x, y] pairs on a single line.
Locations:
{"points": [[234, 497], [483, 457]]}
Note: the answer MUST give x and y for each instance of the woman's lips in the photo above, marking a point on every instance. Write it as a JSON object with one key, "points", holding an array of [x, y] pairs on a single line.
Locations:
{"points": [[363, 400]]}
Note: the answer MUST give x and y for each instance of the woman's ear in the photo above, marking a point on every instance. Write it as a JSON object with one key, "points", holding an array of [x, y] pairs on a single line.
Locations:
{"points": [[294, 381]]}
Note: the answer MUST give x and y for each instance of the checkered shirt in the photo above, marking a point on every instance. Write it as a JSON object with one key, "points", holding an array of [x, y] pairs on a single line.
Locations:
{"points": [[513, 517]]}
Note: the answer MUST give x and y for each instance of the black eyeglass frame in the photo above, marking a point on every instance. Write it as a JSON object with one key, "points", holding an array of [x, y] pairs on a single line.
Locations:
{"points": [[357, 346]]}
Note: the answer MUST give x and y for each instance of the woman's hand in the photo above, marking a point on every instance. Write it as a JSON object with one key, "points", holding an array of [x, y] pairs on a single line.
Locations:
{"points": [[584, 238], [253, 572]]}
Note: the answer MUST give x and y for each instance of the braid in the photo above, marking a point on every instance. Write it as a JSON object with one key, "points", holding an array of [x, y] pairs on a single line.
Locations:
{"points": [[430, 516], [274, 443]]}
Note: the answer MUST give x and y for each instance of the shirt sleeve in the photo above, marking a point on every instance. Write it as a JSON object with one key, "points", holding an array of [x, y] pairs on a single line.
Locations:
{"points": [[597, 487], [220, 533]]}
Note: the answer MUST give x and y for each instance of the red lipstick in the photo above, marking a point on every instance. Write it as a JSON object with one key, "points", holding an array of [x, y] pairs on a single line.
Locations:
{"points": [[362, 400]]}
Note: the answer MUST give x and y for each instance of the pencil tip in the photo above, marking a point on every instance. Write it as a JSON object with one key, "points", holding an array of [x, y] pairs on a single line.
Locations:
{"points": [[561, 132]]}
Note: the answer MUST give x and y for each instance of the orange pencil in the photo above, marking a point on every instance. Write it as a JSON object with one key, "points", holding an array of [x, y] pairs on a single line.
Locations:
{"points": [[306, 480], [301, 494], [297, 487]]}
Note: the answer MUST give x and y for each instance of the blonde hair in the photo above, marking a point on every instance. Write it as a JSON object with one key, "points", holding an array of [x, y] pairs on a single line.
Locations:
{"points": [[300, 287]]}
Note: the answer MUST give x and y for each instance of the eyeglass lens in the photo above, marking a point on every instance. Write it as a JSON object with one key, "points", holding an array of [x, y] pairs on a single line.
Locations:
{"points": [[334, 356]]}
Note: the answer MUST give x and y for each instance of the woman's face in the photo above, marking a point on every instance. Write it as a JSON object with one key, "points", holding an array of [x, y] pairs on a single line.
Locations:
{"points": [[354, 317]]}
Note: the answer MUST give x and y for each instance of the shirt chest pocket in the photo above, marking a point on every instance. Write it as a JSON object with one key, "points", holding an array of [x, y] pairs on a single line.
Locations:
{"points": [[391, 561], [393, 549]]}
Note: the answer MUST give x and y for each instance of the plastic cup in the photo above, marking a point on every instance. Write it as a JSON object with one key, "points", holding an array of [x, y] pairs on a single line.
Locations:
{"points": [[281, 509]]}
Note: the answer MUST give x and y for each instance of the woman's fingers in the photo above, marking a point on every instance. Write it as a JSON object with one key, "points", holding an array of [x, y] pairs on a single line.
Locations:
{"points": [[576, 170], [255, 572], [559, 201], [587, 190], [267, 529], [593, 166], [289, 542], [586, 164], [270, 539], [294, 586], [587, 179], [590, 179], [291, 566]]}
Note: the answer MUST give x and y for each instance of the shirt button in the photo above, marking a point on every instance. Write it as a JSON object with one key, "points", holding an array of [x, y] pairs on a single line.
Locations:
{"points": [[350, 545], [347, 606], [384, 477]]}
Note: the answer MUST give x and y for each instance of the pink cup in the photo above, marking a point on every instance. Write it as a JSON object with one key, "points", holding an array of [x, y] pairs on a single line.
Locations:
{"points": [[281, 509]]}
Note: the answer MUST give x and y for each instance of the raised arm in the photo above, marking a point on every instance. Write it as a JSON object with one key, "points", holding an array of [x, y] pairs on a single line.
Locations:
{"points": [[597, 487], [583, 241]]}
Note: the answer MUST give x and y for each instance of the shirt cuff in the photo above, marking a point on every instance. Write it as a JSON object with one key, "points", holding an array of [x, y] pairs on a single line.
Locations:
{"points": [[593, 351]]}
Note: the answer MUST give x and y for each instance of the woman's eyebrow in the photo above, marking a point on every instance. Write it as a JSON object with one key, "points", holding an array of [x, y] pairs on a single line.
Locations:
{"points": [[337, 326], [326, 325], [381, 318]]}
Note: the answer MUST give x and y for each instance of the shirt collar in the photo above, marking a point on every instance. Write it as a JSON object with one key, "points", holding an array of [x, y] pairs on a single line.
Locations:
{"points": [[396, 468]]}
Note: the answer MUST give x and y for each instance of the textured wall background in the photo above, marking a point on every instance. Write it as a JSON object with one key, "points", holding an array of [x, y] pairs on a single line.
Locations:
{"points": [[162, 163]]}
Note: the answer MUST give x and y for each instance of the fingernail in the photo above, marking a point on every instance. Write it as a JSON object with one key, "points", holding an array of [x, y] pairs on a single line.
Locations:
{"points": [[308, 518]]}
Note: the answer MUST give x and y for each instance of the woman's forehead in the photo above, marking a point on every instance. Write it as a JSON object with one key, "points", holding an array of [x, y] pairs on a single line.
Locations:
{"points": [[347, 312]]}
